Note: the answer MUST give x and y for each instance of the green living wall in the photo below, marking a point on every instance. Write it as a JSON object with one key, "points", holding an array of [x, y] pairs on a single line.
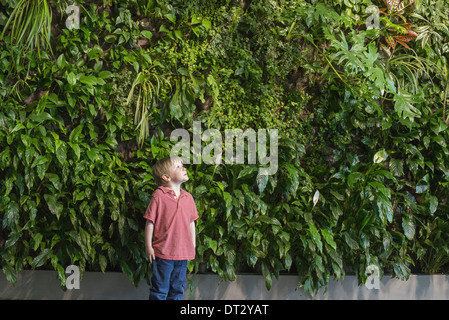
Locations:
{"points": [[358, 96]]}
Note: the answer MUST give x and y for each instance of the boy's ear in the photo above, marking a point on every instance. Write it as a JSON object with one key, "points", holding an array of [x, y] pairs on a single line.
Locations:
{"points": [[165, 177]]}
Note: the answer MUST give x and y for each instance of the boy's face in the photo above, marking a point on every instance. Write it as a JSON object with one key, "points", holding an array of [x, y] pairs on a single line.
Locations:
{"points": [[178, 173]]}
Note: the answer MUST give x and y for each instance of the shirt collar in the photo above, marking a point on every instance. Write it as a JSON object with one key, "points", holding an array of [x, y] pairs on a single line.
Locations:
{"points": [[168, 190]]}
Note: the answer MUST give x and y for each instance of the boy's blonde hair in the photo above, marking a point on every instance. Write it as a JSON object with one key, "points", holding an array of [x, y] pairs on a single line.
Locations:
{"points": [[162, 167]]}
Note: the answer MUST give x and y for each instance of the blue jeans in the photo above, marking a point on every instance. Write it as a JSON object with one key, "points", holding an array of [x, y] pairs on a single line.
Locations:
{"points": [[168, 279]]}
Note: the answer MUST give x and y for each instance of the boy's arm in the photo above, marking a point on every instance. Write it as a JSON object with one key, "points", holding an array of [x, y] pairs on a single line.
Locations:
{"points": [[192, 233], [149, 227]]}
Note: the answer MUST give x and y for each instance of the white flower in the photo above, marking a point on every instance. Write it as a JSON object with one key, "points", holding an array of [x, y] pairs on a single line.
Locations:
{"points": [[316, 196]]}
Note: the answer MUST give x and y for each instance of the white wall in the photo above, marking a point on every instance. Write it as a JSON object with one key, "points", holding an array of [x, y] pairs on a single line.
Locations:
{"points": [[39, 285]]}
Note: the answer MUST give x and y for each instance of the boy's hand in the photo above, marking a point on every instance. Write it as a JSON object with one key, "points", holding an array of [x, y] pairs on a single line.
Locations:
{"points": [[150, 254]]}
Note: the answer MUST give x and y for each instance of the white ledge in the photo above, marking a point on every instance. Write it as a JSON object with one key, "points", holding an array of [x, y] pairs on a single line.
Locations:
{"points": [[44, 285]]}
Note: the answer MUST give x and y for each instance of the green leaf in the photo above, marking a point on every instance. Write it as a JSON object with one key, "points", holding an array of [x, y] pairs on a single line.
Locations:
{"points": [[376, 75], [40, 117], [269, 220], [433, 204], [171, 17], [337, 195], [110, 38], [92, 154], [267, 274], [41, 259], [247, 171], [76, 133], [261, 180], [206, 24], [404, 105], [163, 28], [313, 232], [76, 148], [396, 167], [147, 34], [354, 177], [380, 156], [328, 238], [408, 227], [228, 201], [54, 206], [9, 272], [11, 215], [39, 160], [18, 127], [103, 262], [37, 238], [423, 184], [195, 19], [127, 270], [71, 78], [212, 244], [353, 245], [421, 188], [385, 207], [178, 34], [91, 80], [61, 153]]}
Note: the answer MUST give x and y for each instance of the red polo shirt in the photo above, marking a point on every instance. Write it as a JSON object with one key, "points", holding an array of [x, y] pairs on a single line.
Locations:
{"points": [[171, 218]]}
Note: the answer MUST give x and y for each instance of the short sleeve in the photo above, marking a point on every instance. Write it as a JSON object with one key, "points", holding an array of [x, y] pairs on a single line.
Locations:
{"points": [[151, 212], [194, 211]]}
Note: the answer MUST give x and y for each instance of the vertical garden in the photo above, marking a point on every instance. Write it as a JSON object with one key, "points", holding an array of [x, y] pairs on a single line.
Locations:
{"points": [[358, 91]]}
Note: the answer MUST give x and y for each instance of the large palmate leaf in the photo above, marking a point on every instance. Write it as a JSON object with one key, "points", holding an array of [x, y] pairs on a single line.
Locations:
{"points": [[353, 58], [405, 105]]}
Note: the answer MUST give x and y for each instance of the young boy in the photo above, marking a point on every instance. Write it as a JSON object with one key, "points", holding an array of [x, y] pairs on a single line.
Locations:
{"points": [[170, 230]]}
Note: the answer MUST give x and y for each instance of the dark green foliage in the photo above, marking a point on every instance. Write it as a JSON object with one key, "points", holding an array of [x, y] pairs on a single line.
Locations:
{"points": [[363, 156]]}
